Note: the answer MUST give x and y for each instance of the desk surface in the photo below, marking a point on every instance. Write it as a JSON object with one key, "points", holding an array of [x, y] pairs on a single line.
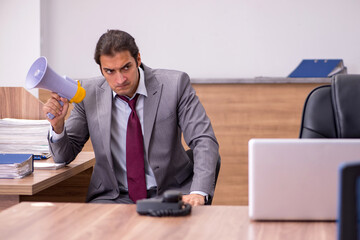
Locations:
{"points": [[42, 179], [117, 221]]}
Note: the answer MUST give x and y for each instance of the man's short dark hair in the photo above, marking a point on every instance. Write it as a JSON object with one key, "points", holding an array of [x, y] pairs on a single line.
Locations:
{"points": [[114, 41]]}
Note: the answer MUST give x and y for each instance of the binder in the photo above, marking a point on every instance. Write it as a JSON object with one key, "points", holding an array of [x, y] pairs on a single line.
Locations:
{"points": [[16, 165], [321, 68]]}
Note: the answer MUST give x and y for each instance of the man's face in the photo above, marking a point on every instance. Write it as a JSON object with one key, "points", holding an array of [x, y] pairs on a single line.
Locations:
{"points": [[121, 72]]}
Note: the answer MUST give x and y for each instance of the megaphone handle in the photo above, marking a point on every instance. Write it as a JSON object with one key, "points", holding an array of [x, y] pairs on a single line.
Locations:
{"points": [[49, 115]]}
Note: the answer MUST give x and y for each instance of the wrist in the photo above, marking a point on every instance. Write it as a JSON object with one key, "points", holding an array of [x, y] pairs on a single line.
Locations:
{"points": [[58, 129]]}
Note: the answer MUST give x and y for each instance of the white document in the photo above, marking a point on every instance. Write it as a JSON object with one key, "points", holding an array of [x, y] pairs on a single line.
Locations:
{"points": [[47, 165]]}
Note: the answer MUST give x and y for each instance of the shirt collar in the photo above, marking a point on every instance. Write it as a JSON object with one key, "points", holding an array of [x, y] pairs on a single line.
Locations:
{"points": [[141, 87]]}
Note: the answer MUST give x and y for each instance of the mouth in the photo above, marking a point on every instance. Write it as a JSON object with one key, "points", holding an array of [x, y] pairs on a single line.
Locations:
{"points": [[124, 85]]}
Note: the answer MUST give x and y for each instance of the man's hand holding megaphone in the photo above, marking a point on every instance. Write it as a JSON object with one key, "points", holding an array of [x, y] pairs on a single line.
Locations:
{"points": [[59, 111], [64, 90]]}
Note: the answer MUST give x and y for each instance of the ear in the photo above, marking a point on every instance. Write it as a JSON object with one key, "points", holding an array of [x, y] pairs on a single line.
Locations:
{"points": [[138, 60]]}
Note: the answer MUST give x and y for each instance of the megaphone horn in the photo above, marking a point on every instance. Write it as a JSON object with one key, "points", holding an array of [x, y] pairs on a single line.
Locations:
{"points": [[42, 76]]}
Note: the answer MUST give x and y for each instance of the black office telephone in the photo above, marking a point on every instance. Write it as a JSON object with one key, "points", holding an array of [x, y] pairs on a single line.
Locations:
{"points": [[170, 204]]}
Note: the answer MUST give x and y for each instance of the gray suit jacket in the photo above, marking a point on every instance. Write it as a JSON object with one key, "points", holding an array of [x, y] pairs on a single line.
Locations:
{"points": [[171, 108]]}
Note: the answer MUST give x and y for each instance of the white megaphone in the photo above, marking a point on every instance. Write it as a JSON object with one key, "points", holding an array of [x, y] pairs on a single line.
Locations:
{"points": [[41, 75]]}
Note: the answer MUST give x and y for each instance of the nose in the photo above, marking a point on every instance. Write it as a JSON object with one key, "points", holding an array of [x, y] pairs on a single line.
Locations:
{"points": [[119, 77]]}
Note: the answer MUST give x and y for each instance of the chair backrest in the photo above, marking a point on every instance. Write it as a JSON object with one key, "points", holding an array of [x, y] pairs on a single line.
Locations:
{"points": [[333, 111], [349, 201]]}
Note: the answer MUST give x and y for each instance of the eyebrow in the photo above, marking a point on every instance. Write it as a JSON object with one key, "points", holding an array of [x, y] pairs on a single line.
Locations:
{"points": [[126, 65], [107, 69], [111, 69]]}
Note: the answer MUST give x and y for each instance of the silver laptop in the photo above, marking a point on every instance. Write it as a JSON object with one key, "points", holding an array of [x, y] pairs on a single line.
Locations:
{"points": [[297, 179]]}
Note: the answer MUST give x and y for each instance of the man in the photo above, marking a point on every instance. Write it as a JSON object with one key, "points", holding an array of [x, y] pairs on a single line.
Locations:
{"points": [[166, 107]]}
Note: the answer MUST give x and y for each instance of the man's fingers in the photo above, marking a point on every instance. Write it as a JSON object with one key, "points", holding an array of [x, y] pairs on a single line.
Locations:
{"points": [[53, 107], [194, 199]]}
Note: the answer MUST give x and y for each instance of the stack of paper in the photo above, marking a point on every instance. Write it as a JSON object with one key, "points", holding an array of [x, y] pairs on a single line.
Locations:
{"points": [[24, 136], [16, 165]]}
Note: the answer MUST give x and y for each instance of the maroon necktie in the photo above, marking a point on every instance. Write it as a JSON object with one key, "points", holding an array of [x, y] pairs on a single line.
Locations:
{"points": [[135, 154]]}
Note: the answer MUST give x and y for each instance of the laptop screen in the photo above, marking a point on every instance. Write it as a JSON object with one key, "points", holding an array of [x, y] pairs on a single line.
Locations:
{"points": [[297, 179]]}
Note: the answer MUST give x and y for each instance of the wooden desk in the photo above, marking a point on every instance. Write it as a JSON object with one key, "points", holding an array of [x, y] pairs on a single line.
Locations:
{"points": [[117, 221], [62, 185]]}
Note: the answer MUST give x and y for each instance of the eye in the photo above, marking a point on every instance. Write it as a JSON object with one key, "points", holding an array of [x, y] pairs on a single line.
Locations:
{"points": [[126, 68], [109, 71]]}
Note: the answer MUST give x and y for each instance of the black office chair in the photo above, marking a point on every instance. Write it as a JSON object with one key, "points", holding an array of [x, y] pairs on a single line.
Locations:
{"points": [[349, 201], [333, 111], [190, 154]]}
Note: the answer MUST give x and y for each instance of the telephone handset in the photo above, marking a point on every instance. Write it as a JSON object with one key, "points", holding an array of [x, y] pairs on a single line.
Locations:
{"points": [[170, 204]]}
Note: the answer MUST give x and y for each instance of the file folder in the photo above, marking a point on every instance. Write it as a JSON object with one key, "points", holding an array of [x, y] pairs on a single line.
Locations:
{"points": [[321, 68], [16, 165]]}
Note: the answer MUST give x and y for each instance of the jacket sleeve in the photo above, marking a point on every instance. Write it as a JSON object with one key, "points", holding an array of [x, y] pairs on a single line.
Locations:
{"points": [[75, 136], [198, 135]]}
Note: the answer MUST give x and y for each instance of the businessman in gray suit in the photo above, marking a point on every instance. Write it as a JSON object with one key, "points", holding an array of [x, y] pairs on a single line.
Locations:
{"points": [[166, 107]]}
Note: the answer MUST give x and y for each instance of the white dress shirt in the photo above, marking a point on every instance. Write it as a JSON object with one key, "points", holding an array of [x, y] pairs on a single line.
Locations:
{"points": [[119, 119]]}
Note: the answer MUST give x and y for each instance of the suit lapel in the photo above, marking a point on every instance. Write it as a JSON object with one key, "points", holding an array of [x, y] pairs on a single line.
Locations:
{"points": [[151, 104], [104, 106]]}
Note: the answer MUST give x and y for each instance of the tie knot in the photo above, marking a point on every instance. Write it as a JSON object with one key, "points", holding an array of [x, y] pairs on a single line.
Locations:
{"points": [[131, 102]]}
